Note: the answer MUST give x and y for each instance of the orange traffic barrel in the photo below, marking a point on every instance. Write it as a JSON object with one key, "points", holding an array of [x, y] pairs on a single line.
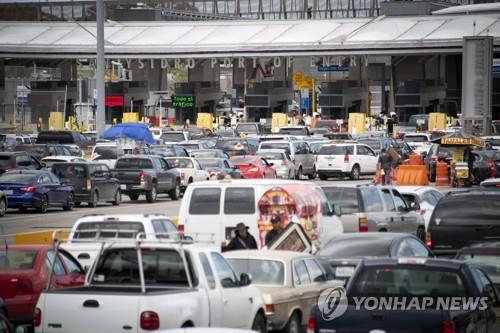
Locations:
{"points": [[416, 159], [442, 174]]}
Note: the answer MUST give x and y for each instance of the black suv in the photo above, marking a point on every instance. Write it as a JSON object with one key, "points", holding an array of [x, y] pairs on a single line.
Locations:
{"points": [[92, 182], [464, 218], [18, 160], [43, 150]]}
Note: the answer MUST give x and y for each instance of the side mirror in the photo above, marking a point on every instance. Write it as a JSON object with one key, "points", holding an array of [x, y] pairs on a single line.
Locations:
{"points": [[245, 280]]}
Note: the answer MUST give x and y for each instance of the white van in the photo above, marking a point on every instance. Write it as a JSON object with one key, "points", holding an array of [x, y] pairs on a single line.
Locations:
{"points": [[210, 210]]}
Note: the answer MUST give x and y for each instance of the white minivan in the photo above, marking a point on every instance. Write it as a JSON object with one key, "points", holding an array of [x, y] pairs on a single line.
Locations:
{"points": [[210, 210]]}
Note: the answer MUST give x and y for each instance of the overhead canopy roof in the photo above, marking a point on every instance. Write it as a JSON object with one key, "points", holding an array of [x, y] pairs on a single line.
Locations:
{"points": [[382, 35]]}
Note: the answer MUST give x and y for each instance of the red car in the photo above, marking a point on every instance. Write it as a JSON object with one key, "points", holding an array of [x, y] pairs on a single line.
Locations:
{"points": [[254, 167], [24, 273]]}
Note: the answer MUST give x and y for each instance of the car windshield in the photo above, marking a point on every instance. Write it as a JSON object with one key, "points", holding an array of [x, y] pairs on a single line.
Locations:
{"points": [[107, 153], [17, 178], [263, 272], [416, 138], [336, 150], [210, 163], [418, 120], [488, 263], [243, 160], [419, 281], [204, 153], [104, 230], [173, 137], [134, 163], [247, 128], [6, 162], [271, 155], [232, 144], [353, 247], [16, 259], [180, 163], [315, 147], [467, 210], [293, 131], [275, 145]]}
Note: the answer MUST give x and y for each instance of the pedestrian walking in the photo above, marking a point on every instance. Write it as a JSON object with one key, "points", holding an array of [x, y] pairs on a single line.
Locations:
{"points": [[385, 166]]}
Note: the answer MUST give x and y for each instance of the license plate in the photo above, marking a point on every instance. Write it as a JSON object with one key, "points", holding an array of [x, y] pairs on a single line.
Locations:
{"points": [[344, 271], [123, 187], [9, 192]]}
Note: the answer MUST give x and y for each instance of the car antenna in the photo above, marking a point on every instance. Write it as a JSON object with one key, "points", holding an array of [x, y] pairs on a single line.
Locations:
{"points": [[4, 239]]}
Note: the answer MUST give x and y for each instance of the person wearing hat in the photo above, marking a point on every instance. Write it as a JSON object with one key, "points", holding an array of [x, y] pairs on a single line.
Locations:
{"points": [[241, 241], [277, 230]]}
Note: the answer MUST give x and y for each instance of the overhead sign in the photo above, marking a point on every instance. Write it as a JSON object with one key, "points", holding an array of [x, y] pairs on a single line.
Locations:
{"points": [[301, 81], [182, 101], [22, 96]]}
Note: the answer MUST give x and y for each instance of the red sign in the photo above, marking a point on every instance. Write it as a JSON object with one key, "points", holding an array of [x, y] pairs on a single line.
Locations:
{"points": [[113, 101]]}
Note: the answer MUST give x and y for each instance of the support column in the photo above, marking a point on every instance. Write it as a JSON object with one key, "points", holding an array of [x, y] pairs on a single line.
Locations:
{"points": [[100, 71]]}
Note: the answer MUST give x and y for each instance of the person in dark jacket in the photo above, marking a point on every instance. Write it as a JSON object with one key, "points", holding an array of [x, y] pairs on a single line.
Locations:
{"points": [[385, 165], [241, 241], [276, 232]]}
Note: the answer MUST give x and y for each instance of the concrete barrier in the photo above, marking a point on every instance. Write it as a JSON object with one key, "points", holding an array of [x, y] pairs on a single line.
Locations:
{"points": [[412, 175]]}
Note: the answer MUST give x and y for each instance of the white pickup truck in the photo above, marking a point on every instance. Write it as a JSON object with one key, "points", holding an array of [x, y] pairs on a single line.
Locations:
{"points": [[139, 287], [189, 168], [114, 227]]}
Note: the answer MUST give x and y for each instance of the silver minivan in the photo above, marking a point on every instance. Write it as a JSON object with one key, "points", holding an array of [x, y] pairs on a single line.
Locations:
{"points": [[300, 154]]}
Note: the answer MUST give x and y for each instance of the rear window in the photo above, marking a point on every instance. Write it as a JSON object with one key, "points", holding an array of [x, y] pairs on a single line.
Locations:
{"points": [[275, 145], [293, 131], [243, 160], [489, 263], [17, 178], [107, 153], [134, 163], [271, 156], [164, 229], [56, 137], [38, 151], [371, 199], [6, 162], [173, 137], [263, 272], [467, 210], [69, 171], [232, 144], [239, 201], [248, 128], [416, 138], [161, 267], [205, 201], [180, 163], [345, 199], [16, 259], [408, 281], [207, 163], [103, 230], [356, 248], [336, 150]]}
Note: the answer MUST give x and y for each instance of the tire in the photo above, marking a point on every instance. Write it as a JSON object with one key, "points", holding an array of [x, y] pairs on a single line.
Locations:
{"points": [[312, 176], [355, 172], [133, 197], [152, 195], [44, 205], [299, 174], [70, 202], [175, 194], [259, 323], [293, 325], [118, 198], [323, 177], [94, 200], [421, 234], [3, 207]]}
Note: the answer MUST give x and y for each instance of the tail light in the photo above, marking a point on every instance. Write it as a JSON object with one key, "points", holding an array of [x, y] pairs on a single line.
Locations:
{"points": [[269, 309], [448, 327], [180, 228], [150, 321], [311, 325], [428, 239], [346, 158], [89, 184], [142, 176], [37, 317], [363, 224], [29, 189], [24, 287]]}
